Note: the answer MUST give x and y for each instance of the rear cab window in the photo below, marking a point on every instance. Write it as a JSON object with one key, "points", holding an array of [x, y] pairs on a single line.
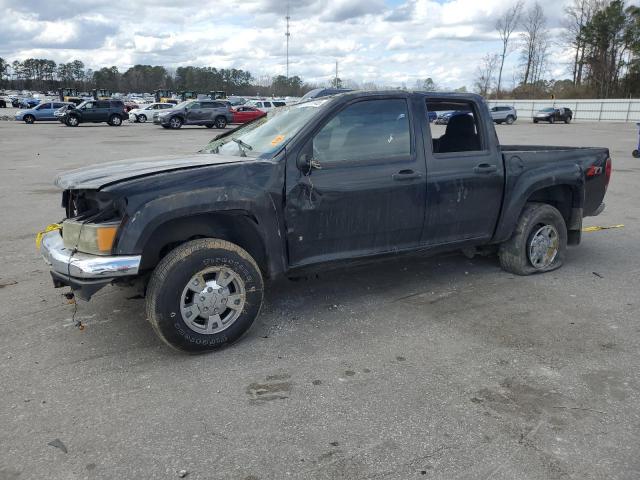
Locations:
{"points": [[457, 128]]}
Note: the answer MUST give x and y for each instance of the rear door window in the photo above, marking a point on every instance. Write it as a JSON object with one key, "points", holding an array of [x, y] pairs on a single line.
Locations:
{"points": [[456, 128]]}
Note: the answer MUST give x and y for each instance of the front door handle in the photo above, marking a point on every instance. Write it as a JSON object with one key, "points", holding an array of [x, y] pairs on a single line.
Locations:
{"points": [[485, 168], [405, 175]]}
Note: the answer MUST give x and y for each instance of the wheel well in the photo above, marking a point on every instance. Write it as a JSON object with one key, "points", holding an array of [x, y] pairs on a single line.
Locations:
{"points": [[235, 227], [562, 198]]}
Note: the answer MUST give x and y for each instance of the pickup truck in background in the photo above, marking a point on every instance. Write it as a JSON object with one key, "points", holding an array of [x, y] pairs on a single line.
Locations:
{"points": [[352, 176]]}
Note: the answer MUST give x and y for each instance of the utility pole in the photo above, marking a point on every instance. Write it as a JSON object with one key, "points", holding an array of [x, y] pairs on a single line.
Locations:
{"points": [[287, 34]]}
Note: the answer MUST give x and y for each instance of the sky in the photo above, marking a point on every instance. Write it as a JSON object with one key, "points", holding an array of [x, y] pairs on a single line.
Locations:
{"points": [[388, 42]]}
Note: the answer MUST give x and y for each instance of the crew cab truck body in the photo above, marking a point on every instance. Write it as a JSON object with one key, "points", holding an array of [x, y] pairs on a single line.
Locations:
{"points": [[357, 175]]}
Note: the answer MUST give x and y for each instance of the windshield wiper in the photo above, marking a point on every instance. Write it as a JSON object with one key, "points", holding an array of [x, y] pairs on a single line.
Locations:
{"points": [[242, 146]]}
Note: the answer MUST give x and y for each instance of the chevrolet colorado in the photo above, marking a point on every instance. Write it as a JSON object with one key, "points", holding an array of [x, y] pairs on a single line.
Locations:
{"points": [[351, 176]]}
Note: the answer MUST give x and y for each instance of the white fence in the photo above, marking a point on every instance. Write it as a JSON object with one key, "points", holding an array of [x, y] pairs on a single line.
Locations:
{"points": [[611, 110]]}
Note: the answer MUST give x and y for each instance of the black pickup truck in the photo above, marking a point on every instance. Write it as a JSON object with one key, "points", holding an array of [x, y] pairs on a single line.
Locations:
{"points": [[356, 175]]}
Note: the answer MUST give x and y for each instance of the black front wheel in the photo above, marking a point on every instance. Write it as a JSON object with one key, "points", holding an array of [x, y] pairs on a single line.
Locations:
{"points": [[636, 154], [175, 122], [203, 295], [29, 119], [72, 121], [538, 243]]}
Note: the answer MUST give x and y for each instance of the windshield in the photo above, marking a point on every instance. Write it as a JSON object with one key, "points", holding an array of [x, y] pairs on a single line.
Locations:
{"points": [[547, 110], [265, 136]]}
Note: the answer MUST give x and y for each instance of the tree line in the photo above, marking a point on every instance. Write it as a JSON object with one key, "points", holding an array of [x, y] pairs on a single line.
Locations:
{"points": [[44, 75], [603, 37]]}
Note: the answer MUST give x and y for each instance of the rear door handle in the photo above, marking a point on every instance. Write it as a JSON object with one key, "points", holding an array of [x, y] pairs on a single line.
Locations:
{"points": [[485, 168], [405, 175]]}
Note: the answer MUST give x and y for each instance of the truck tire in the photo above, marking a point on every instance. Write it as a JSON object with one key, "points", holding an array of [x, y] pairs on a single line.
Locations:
{"points": [[115, 120], [204, 295], [538, 243]]}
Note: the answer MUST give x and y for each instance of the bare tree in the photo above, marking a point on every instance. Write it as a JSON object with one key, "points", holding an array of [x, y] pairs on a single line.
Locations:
{"points": [[534, 39], [486, 73], [505, 25], [578, 16]]}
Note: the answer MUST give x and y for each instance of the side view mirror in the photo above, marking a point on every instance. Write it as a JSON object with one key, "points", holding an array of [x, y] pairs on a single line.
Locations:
{"points": [[306, 164]]}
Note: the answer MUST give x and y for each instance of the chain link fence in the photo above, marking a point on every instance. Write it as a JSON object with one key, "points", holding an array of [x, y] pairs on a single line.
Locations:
{"points": [[611, 110]]}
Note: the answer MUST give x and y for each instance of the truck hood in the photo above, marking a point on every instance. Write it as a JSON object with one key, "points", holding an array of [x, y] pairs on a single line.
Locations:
{"points": [[95, 177]]}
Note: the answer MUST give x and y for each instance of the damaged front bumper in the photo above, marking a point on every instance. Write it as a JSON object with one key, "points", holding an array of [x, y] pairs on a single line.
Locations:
{"points": [[84, 273]]}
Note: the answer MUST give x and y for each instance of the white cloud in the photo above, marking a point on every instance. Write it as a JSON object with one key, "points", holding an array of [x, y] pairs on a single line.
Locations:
{"points": [[386, 41]]}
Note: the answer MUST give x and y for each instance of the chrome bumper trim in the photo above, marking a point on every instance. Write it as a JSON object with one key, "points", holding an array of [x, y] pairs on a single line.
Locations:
{"points": [[83, 265]]}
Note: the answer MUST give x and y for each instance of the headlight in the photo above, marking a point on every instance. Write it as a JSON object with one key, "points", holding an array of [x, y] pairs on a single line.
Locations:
{"points": [[94, 238]]}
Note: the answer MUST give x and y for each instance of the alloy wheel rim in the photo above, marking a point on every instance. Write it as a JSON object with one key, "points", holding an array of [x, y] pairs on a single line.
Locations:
{"points": [[212, 300], [544, 247]]}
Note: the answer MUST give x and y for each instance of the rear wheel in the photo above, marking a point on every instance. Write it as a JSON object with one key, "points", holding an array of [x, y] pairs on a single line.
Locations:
{"points": [[175, 122], [535, 121], [142, 118], [221, 122], [567, 120], [538, 243], [115, 120], [510, 120], [209, 125], [203, 295], [636, 154], [29, 119]]}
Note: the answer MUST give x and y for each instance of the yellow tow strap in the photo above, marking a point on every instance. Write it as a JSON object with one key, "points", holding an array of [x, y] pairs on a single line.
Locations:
{"points": [[50, 228], [597, 229]]}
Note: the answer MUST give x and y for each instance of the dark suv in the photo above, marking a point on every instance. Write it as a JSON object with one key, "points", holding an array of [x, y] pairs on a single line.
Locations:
{"points": [[96, 111], [552, 115], [210, 113]]}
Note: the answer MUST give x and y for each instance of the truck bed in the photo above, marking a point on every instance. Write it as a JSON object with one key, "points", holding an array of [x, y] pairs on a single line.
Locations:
{"points": [[519, 159]]}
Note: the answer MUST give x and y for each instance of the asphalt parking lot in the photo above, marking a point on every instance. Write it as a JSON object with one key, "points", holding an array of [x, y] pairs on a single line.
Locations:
{"points": [[440, 368]]}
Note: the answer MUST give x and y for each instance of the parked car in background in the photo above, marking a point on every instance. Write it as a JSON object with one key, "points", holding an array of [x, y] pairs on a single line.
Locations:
{"points": [[128, 106], [504, 114], [209, 113], [96, 111], [445, 117], [145, 112], [433, 116], [60, 114], [243, 114], [41, 113], [4, 101], [265, 105], [323, 92], [552, 115], [28, 102]]}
